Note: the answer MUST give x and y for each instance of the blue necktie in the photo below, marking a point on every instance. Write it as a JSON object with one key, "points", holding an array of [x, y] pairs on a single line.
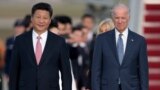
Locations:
{"points": [[120, 48]]}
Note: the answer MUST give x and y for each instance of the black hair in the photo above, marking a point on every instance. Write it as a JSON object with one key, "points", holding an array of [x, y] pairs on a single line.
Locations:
{"points": [[42, 6], [19, 22], [27, 20], [63, 19], [60, 19], [78, 27], [87, 16], [53, 24]]}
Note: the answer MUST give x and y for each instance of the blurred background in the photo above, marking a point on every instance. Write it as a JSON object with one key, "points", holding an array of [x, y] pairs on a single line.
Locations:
{"points": [[145, 20], [10, 10]]}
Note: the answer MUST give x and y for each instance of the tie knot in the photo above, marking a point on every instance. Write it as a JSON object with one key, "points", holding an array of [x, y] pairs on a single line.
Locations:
{"points": [[38, 37], [120, 35]]}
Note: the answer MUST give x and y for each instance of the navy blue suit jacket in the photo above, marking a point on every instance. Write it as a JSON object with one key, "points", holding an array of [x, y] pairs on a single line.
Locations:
{"points": [[25, 74], [9, 45], [106, 70]]}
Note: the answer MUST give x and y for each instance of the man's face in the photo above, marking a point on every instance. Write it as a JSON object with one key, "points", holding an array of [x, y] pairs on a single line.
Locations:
{"points": [[68, 28], [18, 30], [41, 20], [85, 34], [88, 23], [65, 28], [61, 26], [121, 18], [77, 35]]}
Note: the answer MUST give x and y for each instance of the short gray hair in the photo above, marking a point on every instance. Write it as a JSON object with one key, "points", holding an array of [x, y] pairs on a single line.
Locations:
{"points": [[119, 5]]}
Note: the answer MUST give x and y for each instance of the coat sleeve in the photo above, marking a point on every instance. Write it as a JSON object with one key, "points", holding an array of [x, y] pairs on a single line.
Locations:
{"points": [[65, 67], [96, 65], [14, 69], [143, 66]]}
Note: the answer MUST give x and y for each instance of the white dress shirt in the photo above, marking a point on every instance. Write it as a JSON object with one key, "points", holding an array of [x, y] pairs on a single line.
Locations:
{"points": [[90, 36], [42, 40], [124, 37]]}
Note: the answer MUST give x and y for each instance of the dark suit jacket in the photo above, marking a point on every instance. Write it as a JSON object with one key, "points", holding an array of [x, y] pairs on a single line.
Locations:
{"points": [[106, 70], [79, 71], [27, 75], [91, 49], [9, 45]]}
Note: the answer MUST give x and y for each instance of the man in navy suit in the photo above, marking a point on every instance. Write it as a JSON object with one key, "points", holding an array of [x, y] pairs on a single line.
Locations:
{"points": [[19, 28], [120, 56], [38, 55]]}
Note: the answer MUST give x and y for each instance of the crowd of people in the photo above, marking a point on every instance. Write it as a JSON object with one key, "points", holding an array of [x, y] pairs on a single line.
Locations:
{"points": [[79, 39]]}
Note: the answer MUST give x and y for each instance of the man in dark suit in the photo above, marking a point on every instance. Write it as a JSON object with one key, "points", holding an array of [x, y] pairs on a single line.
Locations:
{"points": [[88, 22], [38, 55], [19, 28], [120, 57]]}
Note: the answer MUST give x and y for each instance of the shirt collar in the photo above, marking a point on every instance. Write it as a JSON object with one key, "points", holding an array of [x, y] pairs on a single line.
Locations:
{"points": [[43, 35], [90, 36], [124, 33], [82, 44]]}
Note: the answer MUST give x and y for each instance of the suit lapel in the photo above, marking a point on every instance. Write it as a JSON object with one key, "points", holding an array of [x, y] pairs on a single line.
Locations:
{"points": [[129, 47], [47, 48], [30, 47], [113, 45]]}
